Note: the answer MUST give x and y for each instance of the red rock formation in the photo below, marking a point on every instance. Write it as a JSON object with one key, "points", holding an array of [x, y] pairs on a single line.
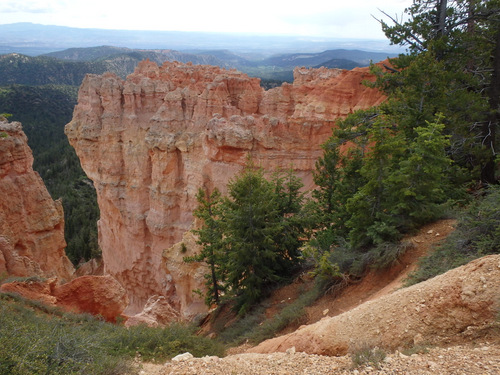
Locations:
{"points": [[97, 295], [31, 223], [151, 141]]}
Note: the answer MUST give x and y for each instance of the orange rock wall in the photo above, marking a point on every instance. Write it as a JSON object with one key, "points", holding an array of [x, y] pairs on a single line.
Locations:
{"points": [[97, 295], [31, 223], [151, 141]]}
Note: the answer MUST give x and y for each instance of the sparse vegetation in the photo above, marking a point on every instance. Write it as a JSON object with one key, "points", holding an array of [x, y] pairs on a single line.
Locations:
{"points": [[367, 356], [477, 234], [291, 314], [38, 340], [254, 327]]}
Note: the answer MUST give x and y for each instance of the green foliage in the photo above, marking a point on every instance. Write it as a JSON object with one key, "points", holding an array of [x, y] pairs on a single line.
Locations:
{"points": [[324, 268], [293, 219], [211, 237], [4, 116], [459, 40], [256, 327], [389, 182], [251, 238], [404, 186], [477, 234], [388, 170], [36, 343], [41, 70], [252, 225]]}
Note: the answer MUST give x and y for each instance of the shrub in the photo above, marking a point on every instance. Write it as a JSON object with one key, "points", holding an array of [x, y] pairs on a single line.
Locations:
{"points": [[366, 355], [33, 342]]}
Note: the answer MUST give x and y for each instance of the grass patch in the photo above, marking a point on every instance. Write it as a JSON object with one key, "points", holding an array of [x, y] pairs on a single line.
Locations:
{"points": [[35, 342], [365, 355], [238, 332], [292, 313], [416, 349], [254, 327]]}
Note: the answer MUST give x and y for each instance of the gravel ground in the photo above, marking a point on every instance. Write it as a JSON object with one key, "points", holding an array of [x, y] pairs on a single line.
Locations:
{"points": [[470, 359]]}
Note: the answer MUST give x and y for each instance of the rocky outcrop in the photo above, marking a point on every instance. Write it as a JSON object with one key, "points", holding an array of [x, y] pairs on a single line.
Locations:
{"points": [[432, 312], [31, 223], [97, 295], [151, 141], [157, 312]]}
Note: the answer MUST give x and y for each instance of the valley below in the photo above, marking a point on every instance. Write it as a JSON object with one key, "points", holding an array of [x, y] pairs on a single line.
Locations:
{"points": [[228, 212]]}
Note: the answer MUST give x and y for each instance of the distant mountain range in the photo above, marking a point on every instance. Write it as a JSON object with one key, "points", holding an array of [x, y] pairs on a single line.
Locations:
{"points": [[68, 67], [34, 39]]}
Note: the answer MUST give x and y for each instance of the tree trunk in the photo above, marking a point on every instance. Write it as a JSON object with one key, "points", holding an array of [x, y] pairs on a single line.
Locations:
{"points": [[490, 127], [441, 18]]}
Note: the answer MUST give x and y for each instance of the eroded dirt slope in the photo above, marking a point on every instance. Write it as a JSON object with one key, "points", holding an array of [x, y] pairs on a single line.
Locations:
{"points": [[461, 307]]}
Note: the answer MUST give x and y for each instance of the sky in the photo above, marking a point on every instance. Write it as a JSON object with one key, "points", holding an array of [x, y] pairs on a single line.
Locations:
{"points": [[324, 18]]}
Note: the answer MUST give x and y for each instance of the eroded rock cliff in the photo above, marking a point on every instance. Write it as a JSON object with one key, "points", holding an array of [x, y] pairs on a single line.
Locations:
{"points": [[151, 141], [31, 223]]}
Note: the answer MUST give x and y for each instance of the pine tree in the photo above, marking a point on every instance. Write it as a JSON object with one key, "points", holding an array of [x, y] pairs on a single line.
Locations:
{"points": [[211, 237], [460, 38], [252, 225], [404, 183], [294, 223], [251, 238]]}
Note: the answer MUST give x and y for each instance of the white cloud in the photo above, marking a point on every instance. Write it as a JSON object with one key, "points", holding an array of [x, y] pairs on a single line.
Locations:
{"points": [[30, 6], [313, 17]]}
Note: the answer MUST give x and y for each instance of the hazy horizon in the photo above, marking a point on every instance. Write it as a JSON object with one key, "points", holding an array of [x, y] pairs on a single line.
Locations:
{"points": [[33, 39], [346, 20]]}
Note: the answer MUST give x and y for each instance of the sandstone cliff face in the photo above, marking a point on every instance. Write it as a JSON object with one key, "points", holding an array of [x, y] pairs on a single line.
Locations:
{"points": [[151, 141], [31, 223]]}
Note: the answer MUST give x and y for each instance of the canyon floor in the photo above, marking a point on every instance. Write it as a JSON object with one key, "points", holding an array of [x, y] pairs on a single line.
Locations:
{"points": [[474, 351]]}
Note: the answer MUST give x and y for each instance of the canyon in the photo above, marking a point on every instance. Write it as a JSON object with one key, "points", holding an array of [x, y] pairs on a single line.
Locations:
{"points": [[31, 223], [151, 141]]}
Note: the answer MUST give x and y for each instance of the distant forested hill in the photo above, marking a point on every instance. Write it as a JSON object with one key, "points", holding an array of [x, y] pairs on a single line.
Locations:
{"points": [[27, 70], [351, 57]]}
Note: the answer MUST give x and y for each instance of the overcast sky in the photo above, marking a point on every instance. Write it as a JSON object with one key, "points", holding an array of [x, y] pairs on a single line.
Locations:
{"points": [[327, 18]]}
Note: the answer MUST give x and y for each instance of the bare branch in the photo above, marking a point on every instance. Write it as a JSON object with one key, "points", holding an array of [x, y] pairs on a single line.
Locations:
{"points": [[417, 43]]}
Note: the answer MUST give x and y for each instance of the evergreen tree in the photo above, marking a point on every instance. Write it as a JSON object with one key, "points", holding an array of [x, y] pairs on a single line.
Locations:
{"points": [[461, 38], [294, 222], [404, 183], [210, 236], [252, 225], [251, 238]]}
